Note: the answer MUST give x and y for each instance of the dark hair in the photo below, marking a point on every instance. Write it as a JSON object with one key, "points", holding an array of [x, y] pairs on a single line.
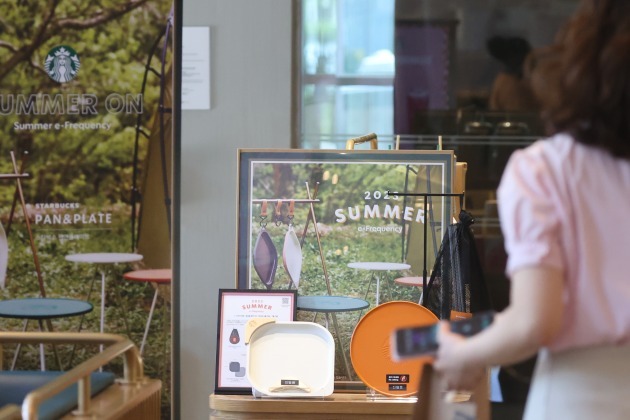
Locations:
{"points": [[583, 81]]}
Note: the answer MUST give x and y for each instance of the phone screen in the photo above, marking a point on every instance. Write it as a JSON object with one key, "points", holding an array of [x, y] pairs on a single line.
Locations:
{"points": [[422, 341], [411, 342]]}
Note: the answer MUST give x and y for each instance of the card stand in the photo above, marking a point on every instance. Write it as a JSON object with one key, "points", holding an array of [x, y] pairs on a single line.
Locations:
{"points": [[373, 395]]}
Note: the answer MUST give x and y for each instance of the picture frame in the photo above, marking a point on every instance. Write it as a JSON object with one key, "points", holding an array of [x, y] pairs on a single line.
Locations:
{"points": [[236, 308], [305, 216]]}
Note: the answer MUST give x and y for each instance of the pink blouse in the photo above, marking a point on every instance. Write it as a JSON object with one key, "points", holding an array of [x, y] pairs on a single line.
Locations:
{"points": [[566, 205]]}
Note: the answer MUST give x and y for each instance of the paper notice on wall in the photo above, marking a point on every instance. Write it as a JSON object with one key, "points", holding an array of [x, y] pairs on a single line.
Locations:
{"points": [[195, 68]]}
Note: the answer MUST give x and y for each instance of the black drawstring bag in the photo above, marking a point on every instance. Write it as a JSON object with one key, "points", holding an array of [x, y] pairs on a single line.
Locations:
{"points": [[457, 282]]}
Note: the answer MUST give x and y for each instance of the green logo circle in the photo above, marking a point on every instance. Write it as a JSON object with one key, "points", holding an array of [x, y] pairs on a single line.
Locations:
{"points": [[62, 64]]}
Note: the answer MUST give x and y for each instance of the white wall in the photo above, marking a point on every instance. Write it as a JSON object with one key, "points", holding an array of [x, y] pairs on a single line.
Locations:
{"points": [[250, 108]]}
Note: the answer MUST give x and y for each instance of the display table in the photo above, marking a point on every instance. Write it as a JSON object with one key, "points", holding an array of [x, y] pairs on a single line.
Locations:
{"points": [[328, 304], [336, 406], [41, 309]]}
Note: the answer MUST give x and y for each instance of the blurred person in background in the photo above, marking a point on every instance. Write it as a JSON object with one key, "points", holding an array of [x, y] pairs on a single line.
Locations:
{"points": [[511, 89]]}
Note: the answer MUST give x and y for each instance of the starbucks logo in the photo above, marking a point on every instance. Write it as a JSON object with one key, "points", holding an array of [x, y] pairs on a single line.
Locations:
{"points": [[62, 64]]}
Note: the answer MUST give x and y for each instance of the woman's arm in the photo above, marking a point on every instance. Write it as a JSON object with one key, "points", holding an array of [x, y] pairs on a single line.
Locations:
{"points": [[532, 319]]}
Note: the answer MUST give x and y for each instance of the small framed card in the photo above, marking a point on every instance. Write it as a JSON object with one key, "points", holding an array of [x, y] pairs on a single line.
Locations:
{"points": [[236, 308]]}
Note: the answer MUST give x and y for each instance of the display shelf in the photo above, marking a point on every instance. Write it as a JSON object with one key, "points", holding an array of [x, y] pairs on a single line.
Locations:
{"points": [[336, 406]]}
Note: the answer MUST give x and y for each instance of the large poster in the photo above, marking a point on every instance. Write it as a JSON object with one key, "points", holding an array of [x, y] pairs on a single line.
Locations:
{"points": [[340, 224], [85, 158]]}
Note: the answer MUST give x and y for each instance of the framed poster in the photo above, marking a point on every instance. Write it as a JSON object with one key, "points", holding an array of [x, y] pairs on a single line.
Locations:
{"points": [[236, 308], [307, 219]]}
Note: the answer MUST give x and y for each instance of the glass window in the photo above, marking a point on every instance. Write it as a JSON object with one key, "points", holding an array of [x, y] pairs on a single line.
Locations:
{"points": [[347, 70], [413, 70], [411, 67]]}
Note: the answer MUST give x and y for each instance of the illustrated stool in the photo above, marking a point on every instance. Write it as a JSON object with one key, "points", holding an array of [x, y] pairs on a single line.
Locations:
{"points": [[161, 276], [330, 305], [41, 309], [378, 267], [102, 259], [413, 281]]}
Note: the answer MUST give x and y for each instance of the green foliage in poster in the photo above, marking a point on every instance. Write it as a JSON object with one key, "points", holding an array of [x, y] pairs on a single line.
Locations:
{"points": [[70, 161]]}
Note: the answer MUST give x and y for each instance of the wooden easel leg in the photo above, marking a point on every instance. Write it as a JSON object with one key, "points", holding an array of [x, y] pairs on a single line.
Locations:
{"points": [[27, 221], [326, 278]]}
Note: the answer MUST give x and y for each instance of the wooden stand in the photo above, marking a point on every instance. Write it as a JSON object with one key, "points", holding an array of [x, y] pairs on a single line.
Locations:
{"points": [[336, 406], [431, 405]]}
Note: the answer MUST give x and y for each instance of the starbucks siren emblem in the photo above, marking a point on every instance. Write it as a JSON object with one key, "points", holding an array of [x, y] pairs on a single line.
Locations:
{"points": [[62, 64]]}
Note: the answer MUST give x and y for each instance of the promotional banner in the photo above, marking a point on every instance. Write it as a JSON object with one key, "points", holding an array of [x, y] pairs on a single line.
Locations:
{"points": [[340, 227], [85, 182]]}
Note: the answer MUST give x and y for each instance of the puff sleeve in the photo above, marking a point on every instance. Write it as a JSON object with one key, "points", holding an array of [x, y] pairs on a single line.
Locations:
{"points": [[530, 210]]}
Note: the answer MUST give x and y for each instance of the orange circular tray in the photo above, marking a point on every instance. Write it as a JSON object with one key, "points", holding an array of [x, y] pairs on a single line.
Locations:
{"points": [[370, 350]]}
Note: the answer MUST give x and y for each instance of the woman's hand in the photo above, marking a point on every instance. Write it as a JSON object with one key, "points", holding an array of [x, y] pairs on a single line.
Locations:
{"points": [[531, 321], [451, 362]]}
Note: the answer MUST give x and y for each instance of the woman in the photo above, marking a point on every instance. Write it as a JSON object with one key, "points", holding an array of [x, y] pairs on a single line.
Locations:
{"points": [[564, 204]]}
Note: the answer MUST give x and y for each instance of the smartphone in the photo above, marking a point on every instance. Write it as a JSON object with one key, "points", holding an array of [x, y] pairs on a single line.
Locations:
{"points": [[407, 343]]}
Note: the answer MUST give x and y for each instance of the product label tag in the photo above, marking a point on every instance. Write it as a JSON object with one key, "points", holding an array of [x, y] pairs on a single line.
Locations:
{"points": [[397, 378], [397, 387], [295, 382]]}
